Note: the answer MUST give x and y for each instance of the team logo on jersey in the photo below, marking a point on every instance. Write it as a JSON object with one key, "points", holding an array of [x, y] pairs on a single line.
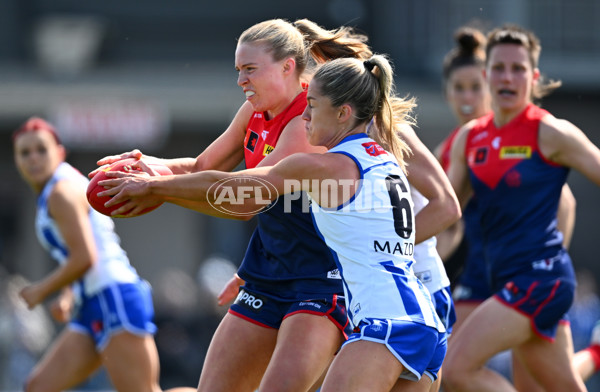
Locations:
{"points": [[249, 301], [515, 152], [478, 156], [264, 134], [267, 150], [373, 149], [496, 142], [513, 178], [252, 140]]}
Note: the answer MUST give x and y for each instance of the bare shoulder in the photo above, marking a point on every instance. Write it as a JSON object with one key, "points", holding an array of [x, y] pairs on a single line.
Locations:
{"points": [[67, 196], [242, 116], [553, 126]]}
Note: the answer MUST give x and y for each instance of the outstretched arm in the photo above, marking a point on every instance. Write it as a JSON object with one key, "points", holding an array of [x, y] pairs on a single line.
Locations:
{"points": [[239, 192], [225, 153]]}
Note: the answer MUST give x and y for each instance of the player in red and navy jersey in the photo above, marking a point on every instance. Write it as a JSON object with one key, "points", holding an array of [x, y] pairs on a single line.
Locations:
{"points": [[515, 162], [289, 317], [468, 96]]}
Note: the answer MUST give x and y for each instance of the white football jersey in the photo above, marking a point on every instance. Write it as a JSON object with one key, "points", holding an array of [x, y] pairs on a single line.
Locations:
{"points": [[372, 238], [428, 266], [112, 264]]}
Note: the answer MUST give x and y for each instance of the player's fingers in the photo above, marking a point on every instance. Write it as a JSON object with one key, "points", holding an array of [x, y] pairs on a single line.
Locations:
{"points": [[123, 211], [112, 189], [119, 174], [95, 171], [107, 160], [143, 166]]}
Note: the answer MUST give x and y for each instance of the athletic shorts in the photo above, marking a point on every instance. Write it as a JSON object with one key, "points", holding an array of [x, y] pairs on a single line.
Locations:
{"points": [[473, 285], [119, 307], [420, 349], [269, 310], [444, 307], [542, 296]]}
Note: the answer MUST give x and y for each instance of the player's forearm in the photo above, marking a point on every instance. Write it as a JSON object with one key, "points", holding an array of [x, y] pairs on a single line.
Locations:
{"points": [[180, 165], [209, 193], [62, 277]]}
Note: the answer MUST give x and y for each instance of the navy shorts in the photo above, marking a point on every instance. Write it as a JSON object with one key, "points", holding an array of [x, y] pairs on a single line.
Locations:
{"points": [[420, 349], [473, 284], [542, 296], [444, 307], [269, 310], [119, 307]]}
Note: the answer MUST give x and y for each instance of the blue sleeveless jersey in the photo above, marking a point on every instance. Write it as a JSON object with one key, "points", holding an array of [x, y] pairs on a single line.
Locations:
{"points": [[517, 191], [112, 264], [285, 254]]}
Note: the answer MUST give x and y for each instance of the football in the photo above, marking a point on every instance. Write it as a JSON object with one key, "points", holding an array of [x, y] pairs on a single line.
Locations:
{"points": [[93, 188]]}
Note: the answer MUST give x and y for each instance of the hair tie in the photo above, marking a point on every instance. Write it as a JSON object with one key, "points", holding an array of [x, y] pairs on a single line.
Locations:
{"points": [[368, 65]]}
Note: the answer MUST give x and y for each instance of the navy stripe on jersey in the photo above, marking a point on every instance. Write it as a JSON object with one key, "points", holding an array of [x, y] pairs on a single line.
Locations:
{"points": [[49, 236], [408, 297]]}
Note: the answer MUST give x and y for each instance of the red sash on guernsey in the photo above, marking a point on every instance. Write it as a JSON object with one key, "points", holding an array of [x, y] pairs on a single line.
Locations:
{"points": [[262, 134], [493, 152]]}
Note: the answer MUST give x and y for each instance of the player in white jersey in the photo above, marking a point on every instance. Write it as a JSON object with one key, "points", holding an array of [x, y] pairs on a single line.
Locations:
{"points": [[435, 205], [361, 205], [108, 307]]}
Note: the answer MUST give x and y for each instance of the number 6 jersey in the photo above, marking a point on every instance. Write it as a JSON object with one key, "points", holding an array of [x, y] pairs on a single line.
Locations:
{"points": [[372, 239]]}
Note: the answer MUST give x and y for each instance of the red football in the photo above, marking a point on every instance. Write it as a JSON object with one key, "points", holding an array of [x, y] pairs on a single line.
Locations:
{"points": [[93, 188]]}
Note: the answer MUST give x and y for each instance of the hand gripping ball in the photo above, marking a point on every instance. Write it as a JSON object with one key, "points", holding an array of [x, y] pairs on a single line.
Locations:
{"points": [[93, 188]]}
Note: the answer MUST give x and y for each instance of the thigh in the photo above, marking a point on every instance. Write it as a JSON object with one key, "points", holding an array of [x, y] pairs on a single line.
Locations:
{"points": [[132, 362], [491, 328], [550, 363], [306, 345], [70, 360], [363, 366], [463, 309], [238, 356]]}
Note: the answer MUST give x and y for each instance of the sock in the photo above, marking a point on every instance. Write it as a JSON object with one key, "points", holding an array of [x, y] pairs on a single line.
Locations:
{"points": [[594, 350]]}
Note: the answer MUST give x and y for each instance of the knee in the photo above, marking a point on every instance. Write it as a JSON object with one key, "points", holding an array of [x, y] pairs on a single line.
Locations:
{"points": [[454, 376]]}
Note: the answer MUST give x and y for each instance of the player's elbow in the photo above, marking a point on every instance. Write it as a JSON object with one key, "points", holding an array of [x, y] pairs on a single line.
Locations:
{"points": [[452, 211]]}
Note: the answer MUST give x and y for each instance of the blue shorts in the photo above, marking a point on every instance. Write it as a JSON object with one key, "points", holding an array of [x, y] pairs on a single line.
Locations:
{"points": [[420, 349], [544, 298], [473, 284], [119, 307], [269, 310], [444, 307]]}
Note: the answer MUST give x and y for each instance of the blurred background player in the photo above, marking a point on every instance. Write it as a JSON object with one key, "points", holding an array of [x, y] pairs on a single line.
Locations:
{"points": [[107, 306], [522, 153], [468, 96]]}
